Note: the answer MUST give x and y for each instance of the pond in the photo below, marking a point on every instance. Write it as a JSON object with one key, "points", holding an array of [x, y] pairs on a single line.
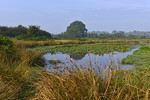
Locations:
{"points": [[59, 61]]}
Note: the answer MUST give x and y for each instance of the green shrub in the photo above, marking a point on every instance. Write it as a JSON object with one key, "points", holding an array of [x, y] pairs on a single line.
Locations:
{"points": [[6, 44], [22, 37], [7, 50], [26, 37]]}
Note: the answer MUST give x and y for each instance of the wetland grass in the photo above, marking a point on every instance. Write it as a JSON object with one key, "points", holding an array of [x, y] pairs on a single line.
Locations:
{"points": [[140, 57], [85, 84], [22, 78], [31, 44], [16, 68]]}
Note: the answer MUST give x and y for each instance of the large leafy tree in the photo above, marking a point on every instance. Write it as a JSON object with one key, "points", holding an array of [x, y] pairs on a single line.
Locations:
{"points": [[76, 30]]}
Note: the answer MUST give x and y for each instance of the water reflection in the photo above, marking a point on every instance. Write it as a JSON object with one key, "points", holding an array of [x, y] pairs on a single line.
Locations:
{"points": [[88, 60], [77, 56]]}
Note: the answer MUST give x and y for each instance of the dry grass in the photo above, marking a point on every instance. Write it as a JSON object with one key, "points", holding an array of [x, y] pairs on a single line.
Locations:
{"points": [[86, 85], [29, 44], [15, 74]]}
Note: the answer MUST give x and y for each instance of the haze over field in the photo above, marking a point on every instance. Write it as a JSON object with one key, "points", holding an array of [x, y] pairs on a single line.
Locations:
{"points": [[55, 15]]}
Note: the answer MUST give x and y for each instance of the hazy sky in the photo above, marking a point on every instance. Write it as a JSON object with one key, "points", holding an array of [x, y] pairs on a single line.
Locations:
{"points": [[55, 15]]}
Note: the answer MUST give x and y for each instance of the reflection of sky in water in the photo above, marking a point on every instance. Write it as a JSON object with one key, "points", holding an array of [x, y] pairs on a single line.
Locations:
{"points": [[98, 61]]}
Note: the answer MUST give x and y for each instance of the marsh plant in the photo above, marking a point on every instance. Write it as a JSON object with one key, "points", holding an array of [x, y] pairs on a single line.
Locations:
{"points": [[88, 85]]}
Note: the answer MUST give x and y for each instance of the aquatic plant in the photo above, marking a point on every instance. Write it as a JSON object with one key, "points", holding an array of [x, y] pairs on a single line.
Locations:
{"points": [[85, 48]]}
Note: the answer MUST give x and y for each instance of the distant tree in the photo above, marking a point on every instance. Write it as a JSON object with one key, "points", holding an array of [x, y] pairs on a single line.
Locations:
{"points": [[120, 34], [114, 32], [33, 31], [76, 30]]}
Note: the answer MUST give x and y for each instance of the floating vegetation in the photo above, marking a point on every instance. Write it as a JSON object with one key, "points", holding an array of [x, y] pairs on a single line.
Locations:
{"points": [[85, 48]]}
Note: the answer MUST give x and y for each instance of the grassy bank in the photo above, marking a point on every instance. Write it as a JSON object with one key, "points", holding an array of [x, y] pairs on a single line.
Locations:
{"points": [[16, 80], [16, 74], [141, 58]]}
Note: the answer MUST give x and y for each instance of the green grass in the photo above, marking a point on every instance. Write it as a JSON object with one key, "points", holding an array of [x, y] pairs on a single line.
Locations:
{"points": [[140, 58]]}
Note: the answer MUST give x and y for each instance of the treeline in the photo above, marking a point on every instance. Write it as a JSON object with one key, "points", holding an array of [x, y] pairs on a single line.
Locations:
{"points": [[104, 35], [76, 30], [24, 33], [119, 35]]}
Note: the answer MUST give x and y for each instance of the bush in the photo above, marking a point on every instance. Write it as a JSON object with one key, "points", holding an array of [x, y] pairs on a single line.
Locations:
{"points": [[22, 37], [26, 37], [6, 44], [7, 50]]}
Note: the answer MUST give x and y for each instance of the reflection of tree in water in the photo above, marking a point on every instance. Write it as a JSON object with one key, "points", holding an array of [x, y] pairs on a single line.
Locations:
{"points": [[77, 56]]}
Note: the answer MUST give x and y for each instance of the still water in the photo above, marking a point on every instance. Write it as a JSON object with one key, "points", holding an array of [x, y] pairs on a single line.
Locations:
{"points": [[96, 61]]}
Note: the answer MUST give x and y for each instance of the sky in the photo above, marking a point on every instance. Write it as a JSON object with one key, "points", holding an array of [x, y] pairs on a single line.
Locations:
{"points": [[98, 15]]}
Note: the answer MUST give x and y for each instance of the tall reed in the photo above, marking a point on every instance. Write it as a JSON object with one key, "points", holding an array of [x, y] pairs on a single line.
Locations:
{"points": [[85, 84]]}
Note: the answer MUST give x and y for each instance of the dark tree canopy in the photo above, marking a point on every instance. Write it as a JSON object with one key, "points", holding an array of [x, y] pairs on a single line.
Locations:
{"points": [[33, 30], [12, 31], [21, 32], [76, 30]]}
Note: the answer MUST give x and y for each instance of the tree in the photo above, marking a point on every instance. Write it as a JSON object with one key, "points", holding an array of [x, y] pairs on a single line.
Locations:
{"points": [[33, 30], [76, 30], [114, 32]]}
